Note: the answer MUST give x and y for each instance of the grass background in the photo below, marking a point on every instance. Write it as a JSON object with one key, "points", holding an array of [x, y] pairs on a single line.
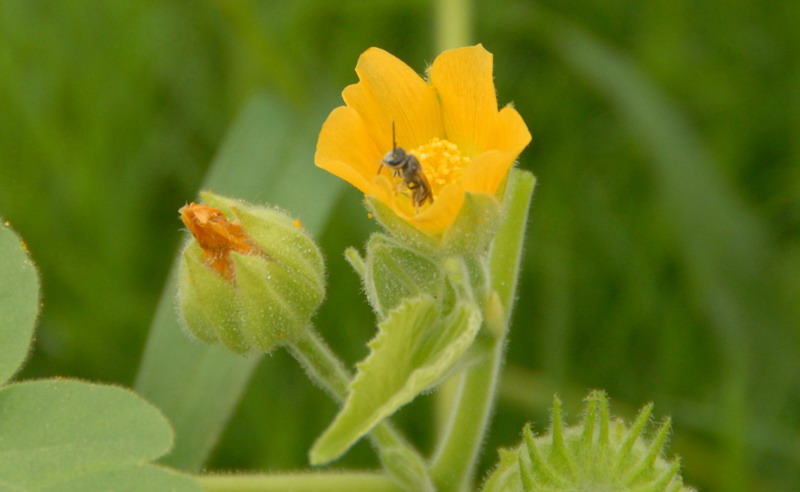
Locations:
{"points": [[663, 257]]}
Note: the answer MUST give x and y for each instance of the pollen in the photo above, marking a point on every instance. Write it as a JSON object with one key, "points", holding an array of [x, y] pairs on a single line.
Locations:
{"points": [[297, 223], [217, 236], [441, 161]]}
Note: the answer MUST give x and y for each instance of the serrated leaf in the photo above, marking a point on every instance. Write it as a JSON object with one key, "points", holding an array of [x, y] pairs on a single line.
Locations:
{"points": [[19, 302], [54, 431], [140, 478], [415, 347]]}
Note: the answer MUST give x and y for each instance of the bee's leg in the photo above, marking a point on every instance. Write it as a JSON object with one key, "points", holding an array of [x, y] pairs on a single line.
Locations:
{"points": [[415, 196], [397, 181]]}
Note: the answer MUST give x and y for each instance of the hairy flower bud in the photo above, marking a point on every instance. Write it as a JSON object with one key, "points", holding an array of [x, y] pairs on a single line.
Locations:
{"points": [[599, 454], [250, 279]]}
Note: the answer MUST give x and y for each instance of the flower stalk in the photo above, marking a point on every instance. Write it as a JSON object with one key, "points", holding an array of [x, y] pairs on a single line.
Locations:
{"points": [[300, 482], [322, 366], [454, 463]]}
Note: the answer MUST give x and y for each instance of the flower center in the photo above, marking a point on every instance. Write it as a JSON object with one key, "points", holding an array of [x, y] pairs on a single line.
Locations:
{"points": [[441, 162]]}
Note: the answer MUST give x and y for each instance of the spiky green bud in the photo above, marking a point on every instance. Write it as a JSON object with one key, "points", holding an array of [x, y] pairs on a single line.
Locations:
{"points": [[599, 455]]}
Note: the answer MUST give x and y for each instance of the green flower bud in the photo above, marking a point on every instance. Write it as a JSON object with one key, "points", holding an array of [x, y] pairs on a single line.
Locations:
{"points": [[394, 272], [250, 279], [599, 454]]}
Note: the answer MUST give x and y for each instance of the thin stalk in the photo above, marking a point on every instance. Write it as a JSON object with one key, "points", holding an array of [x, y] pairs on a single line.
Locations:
{"points": [[324, 368], [454, 462], [299, 482], [321, 364]]}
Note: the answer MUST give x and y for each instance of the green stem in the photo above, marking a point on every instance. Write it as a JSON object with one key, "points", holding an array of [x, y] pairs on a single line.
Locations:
{"points": [[322, 366], [453, 24], [454, 463], [299, 482]]}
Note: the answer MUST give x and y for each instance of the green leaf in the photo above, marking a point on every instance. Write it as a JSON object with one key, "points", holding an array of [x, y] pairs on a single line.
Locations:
{"points": [[55, 431], [19, 302], [415, 348], [140, 478], [266, 157]]}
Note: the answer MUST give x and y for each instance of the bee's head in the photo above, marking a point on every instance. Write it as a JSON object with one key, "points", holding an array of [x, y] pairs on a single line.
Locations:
{"points": [[394, 158]]}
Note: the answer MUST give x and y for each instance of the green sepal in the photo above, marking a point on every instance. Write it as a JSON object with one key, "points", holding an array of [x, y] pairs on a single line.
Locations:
{"points": [[505, 477], [470, 233], [209, 306], [262, 305], [278, 236], [356, 261], [395, 272], [416, 347]]}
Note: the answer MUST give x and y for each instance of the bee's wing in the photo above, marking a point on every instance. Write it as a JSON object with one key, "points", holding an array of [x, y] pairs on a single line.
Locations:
{"points": [[425, 185]]}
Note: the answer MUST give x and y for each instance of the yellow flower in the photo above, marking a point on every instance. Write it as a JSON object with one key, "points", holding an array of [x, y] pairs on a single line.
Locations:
{"points": [[451, 124]]}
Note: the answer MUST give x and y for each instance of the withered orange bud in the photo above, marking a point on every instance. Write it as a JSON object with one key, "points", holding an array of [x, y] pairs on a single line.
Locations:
{"points": [[217, 236]]}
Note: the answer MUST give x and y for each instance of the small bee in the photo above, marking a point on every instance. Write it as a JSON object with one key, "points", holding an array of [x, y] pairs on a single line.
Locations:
{"points": [[407, 167]]}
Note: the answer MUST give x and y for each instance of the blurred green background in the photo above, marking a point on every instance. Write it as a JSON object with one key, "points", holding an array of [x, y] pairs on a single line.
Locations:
{"points": [[663, 256]]}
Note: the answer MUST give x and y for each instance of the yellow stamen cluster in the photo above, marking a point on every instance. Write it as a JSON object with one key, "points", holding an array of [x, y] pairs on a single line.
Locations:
{"points": [[441, 162]]}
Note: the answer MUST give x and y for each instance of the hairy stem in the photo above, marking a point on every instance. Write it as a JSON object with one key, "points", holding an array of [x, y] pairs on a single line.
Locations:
{"points": [[325, 368], [299, 482], [456, 456]]}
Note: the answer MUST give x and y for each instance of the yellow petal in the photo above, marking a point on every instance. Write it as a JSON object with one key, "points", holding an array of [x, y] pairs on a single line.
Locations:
{"points": [[433, 219], [441, 214], [389, 90], [486, 172], [382, 190], [463, 80], [346, 149], [510, 132]]}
